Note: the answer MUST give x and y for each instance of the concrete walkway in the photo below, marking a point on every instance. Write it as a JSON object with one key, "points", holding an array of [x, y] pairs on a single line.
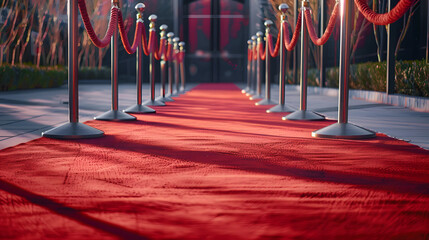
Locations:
{"points": [[25, 114]]}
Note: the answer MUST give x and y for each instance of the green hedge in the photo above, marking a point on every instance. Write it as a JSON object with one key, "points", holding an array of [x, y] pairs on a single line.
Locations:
{"points": [[28, 77], [411, 77], [88, 73]]}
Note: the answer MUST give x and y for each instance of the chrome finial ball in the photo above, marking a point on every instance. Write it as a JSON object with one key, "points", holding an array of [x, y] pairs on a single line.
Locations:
{"points": [[181, 44], [249, 42], [170, 35], [153, 18], [140, 7], [254, 38], [176, 40], [259, 34], [283, 8], [163, 27], [268, 23]]}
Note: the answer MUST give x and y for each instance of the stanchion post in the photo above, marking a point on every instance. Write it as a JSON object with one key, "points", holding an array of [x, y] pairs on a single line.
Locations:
{"points": [[302, 113], [253, 69], [170, 36], [73, 129], [176, 66], [163, 69], [182, 68], [281, 107], [322, 67], [258, 94], [152, 101], [267, 100], [139, 107], [114, 114], [342, 129], [249, 48]]}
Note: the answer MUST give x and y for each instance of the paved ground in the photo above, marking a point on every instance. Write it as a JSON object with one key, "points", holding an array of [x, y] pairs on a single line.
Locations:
{"points": [[25, 114]]}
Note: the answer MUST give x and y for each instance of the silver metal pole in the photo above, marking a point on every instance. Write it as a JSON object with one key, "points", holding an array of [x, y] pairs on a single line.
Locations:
{"points": [[152, 101], [281, 107], [302, 113], [252, 69], [249, 47], [139, 107], [258, 94], [343, 129], [267, 100], [176, 65], [182, 68], [163, 69], [114, 114], [170, 36], [73, 129]]}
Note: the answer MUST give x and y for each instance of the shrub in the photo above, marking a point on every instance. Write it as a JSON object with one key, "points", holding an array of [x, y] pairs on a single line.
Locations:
{"points": [[411, 77], [89, 73], [28, 77]]}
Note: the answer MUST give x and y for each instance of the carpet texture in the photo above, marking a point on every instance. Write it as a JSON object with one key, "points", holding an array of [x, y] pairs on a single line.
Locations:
{"points": [[211, 165]]}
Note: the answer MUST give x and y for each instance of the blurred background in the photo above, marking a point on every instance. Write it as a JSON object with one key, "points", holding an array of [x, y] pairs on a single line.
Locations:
{"points": [[34, 36]]}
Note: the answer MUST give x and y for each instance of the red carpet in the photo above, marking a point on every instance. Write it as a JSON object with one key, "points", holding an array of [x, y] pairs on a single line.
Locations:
{"points": [[213, 166]]}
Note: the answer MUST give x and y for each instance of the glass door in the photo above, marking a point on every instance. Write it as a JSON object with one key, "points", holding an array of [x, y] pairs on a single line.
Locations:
{"points": [[216, 32]]}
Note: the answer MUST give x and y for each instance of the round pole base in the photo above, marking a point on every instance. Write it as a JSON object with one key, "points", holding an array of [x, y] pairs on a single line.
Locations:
{"points": [[73, 130], [182, 90], [280, 109], [115, 115], [256, 97], [343, 131], [266, 102], [304, 115], [153, 103], [139, 109], [164, 99], [175, 94], [245, 90], [250, 93]]}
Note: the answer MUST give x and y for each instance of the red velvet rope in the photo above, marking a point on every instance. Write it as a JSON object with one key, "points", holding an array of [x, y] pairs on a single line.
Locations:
{"points": [[144, 42], [262, 51], [273, 52], [254, 54], [180, 57], [290, 44], [387, 18], [168, 53], [328, 31], [161, 49], [122, 31], [101, 43], [249, 54]]}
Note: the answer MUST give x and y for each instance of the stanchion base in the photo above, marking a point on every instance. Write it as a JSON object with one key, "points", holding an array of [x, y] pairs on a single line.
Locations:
{"points": [[266, 102], [343, 131], [153, 103], [304, 115], [175, 94], [256, 97], [250, 93], [280, 109], [164, 99], [73, 131], [139, 109], [245, 90], [182, 90], [115, 115]]}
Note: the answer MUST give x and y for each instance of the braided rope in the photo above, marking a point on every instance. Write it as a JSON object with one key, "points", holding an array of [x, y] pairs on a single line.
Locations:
{"points": [[138, 34], [100, 43], [273, 52], [329, 29], [288, 43], [387, 18]]}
